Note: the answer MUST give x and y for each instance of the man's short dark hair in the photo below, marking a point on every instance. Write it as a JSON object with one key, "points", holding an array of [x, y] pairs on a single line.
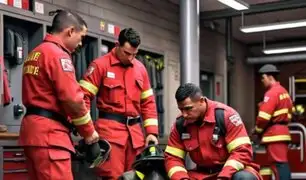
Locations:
{"points": [[129, 35], [188, 90], [64, 19]]}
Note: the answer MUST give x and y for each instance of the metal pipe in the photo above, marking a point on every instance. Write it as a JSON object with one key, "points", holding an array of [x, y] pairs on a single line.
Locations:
{"points": [[189, 40], [277, 59], [229, 39], [189, 53], [229, 56], [254, 9]]}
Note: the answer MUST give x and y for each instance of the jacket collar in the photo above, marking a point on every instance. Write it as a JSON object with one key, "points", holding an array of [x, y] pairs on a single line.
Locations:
{"points": [[57, 41]]}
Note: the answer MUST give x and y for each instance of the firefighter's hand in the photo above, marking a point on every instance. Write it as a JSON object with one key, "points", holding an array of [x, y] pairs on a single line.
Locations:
{"points": [[255, 138], [151, 138], [93, 138]]}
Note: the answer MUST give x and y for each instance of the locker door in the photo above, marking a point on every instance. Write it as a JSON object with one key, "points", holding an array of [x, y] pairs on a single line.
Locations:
{"points": [[20, 37], [13, 112]]}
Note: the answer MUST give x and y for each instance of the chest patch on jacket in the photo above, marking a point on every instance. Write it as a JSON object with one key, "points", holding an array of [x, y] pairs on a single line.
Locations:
{"points": [[111, 75]]}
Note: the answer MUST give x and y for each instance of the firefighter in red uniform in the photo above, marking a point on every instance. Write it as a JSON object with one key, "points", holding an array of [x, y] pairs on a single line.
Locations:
{"points": [[51, 94], [216, 157], [272, 122], [124, 98]]}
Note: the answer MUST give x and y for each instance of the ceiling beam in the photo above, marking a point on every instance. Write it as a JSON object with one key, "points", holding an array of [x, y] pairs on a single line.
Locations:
{"points": [[254, 9]]}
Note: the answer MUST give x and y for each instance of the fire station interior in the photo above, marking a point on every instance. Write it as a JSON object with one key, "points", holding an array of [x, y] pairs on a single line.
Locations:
{"points": [[22, 29]]}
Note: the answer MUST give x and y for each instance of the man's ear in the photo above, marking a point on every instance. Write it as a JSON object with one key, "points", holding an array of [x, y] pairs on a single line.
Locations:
{"points": [[70, 31], [202, 99], [117, 44]]}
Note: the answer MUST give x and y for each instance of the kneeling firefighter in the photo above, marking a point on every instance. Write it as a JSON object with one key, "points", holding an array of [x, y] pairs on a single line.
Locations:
{"points": [[149, 165]]}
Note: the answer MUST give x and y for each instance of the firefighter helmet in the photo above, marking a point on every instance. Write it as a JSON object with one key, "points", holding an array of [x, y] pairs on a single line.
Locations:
{"points": [[268, 68], [149, 165], [298, 109], [95, 154], [152, 154], [151, 160]]}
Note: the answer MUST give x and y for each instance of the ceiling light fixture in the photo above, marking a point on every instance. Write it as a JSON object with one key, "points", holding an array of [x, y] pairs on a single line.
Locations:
{"points": [[273, 26], [284, 50], [235, 4]]}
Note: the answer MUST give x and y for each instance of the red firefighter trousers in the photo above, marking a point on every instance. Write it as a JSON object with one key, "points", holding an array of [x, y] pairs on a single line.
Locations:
{"points": [[48, 163], [120, 160]]}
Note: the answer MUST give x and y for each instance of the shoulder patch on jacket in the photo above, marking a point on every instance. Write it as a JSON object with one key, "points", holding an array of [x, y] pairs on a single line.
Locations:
{"points": [[67, 65], [266, 99], [235, 119], [90, 70]]}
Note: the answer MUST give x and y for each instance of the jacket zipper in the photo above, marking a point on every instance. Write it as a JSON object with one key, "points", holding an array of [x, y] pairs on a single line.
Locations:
{"points": [[125, 93]]}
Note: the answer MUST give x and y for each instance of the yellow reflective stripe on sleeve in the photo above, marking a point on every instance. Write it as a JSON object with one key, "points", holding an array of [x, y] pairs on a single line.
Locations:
{"points": [[146, 94], [265, 171], [175, 152], [140, 175], [89, 87], [82, 120], [176, 169], [259, 130], [235, 164], [280, 112], [150, 122], [237, 142], [264, 115], [276, 138]]}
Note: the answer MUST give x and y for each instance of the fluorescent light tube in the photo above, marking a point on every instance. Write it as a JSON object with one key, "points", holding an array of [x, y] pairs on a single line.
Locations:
{"points": [[273, 26], [284, 50], [235, 4]]}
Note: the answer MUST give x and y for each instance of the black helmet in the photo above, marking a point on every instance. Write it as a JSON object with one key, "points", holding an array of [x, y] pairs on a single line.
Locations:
{"points": [[94, 154], [268, 68], [151, 153], [151, 159]]}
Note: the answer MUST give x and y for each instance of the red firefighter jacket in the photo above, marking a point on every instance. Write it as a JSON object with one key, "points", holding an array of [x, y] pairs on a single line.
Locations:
{"points": [[274, 114], [233, 152], [121, 90], [49, 82], [6, 90]]}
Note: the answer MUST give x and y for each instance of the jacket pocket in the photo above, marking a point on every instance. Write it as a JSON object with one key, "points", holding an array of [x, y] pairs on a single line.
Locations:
{"points": [[62, 159], [137, 136], [193, 147], [219, 150], [113, 91], [58, 154]]}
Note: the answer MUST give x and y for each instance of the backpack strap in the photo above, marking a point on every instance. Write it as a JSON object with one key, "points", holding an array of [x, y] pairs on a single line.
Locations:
{"points": [[181, 129], [219, 117]]}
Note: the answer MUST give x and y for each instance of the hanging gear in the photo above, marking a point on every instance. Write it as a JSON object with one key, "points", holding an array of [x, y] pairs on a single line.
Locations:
{"points": [[94, 154], [268, 68], [6, 96]]}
